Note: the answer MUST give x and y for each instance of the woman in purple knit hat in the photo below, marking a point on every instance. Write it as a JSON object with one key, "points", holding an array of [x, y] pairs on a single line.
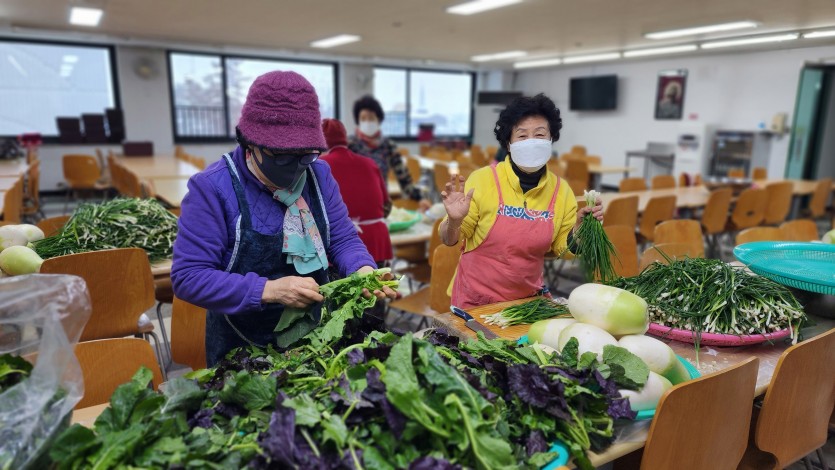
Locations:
{"points": [[260, 227]]}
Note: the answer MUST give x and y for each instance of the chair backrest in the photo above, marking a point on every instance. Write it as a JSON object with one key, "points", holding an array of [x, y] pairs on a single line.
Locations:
{"points": [[121, 288], [736, 173], [52, 225], [717, 405], [681, 231], [441, 176], [593, 159], [673, 251], [632, 184], [81, 171], [478, 156], [577, 185], [663, 182], [579, 150], [622, 211], [490, 152], [444, 262], [13, 202], [715, 214], [577, 170], [424, 149], [179, 152], [759, 173], [760, 234], [799, 401], [697, 179], [188, 334], [626, 247], [779, 202], [408, 204], [466, 168], [659, 209], [434, 239], [32, 193], [817, 205], [199, 162], [413, 165], [801, 230], [749, 209], [132, 185], [108, 363]]}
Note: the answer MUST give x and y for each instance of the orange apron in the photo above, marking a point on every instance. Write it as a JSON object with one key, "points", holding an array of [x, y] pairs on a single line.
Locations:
{"points": [[508, 264]]}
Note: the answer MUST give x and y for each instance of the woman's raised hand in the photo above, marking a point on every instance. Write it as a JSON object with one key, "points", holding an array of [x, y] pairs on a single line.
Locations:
{"points": [[456, 203]]}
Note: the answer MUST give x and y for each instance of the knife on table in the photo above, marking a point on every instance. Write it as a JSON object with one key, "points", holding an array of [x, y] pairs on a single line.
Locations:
{"points": [[472, 323]]}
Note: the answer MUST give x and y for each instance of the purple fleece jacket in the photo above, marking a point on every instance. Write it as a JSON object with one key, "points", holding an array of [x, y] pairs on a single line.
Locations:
{"points": [[206, 236]]}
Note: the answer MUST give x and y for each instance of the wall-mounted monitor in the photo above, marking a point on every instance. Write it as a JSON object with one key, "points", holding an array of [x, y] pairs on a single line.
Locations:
{"points": [[599, 93]]}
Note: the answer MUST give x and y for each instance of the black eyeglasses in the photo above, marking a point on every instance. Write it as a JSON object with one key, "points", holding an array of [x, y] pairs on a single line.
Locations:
{"points": [[288, 158]]}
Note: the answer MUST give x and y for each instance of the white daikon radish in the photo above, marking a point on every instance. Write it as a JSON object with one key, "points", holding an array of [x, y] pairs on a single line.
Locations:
{"points": [[829, 237], [12, 235], [547, 332], [647, 398], [615, 310], [32, 232], [589, 337], [659, 357], [17, 260]]}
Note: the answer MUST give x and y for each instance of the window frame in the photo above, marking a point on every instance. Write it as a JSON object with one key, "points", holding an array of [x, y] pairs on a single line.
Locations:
{"points": [[409, 70], [114, 75], [178, 139]]}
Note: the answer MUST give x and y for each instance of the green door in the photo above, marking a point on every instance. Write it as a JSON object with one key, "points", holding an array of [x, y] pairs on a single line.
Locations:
{"points": [[805, 119]]}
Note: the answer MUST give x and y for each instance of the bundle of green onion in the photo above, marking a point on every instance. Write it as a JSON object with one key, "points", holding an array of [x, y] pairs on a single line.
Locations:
{"points": [[595, 249], [120, 223], [710, 296], [526, 313]]}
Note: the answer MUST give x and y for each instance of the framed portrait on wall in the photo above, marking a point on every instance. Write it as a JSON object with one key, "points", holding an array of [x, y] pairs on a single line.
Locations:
{"points": [[669, 97]]}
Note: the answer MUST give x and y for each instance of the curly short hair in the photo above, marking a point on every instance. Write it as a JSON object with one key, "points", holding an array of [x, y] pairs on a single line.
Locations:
{"points": [[368, 102], [524, 107]]}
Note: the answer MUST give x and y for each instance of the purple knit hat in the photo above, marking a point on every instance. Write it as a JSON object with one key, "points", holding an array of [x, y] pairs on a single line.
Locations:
{"points": [[282, 113]]}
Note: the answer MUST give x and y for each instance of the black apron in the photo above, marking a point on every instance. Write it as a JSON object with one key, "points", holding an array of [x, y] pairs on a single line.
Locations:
{"points": [[258, 253]]}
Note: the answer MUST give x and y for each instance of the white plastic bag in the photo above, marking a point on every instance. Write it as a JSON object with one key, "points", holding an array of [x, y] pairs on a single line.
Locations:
{"points": [[41, 319]]}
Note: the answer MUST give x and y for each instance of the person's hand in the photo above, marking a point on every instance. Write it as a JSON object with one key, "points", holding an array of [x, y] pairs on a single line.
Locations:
{"points": [[596, 211], [456, 203], [292, 291], [386, 292], [424, 205]]}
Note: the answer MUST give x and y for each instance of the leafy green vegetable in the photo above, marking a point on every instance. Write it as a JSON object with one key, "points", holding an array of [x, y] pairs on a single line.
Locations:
{"points": [[625, 368], [13, 369]]}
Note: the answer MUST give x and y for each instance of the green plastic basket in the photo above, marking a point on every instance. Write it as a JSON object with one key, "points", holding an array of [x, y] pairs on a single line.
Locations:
{"points": [[806, 266], [405, 224]]}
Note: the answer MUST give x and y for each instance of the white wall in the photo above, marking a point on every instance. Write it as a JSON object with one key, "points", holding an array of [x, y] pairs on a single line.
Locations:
{"points": [[734, 91]]}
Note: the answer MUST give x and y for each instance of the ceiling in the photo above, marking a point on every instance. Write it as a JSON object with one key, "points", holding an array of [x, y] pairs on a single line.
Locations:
{"points": [[418, 29]]}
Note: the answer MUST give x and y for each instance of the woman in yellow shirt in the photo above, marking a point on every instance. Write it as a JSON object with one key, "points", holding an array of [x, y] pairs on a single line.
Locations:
{"points": [[511, 214]]}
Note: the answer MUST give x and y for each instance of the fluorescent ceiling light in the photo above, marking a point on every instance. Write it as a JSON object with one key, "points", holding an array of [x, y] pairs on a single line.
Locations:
{"points": [[747, 41], [591, 58], [70, 59], [537, 63], [478, 6], [819, 34], [660, 50], [334, 41], [83, 16], [498, 56], [674, 33]]}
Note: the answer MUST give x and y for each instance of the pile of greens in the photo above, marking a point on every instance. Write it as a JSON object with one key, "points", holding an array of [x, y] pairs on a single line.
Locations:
{"points": [[120, 223], [711, 296], [379, 401], [527, 313]]}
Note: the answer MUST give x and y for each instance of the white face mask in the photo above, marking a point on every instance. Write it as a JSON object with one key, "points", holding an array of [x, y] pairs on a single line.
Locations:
{"points": [[531, 154], [369, 128]]}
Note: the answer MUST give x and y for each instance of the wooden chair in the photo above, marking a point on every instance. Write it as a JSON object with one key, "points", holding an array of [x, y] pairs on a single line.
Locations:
{"points": [[622, 211], [820, 198], [13, 203], [800, 230], [626, 247], [421, 272], [658, 209], [478, 156], [52, 225], [408, 204], [490, 152], [663, 182], [579, 150], [760, 234], [715, 217], [442, 174], [188, 334], [577, 185], [433, 300], [681, 231], [716, 405], [31, 204], [759, 173], [749, 210], [424, 149], [673, 251], [795, 413], [108, 363], [779, 202], [697, 180], [413, 165], [179, 152], [736, 173], [81, 173], [593, 160], [577, 170], [121, 288], [466, 168], [632, 184]]}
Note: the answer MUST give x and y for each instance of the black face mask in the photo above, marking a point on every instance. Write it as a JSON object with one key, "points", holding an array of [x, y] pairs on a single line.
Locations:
{"points": [[283, 170]]}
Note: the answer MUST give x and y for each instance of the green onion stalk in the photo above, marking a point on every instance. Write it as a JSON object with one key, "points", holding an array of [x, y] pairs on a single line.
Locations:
{"points": [[595, 249], [526, 313]]}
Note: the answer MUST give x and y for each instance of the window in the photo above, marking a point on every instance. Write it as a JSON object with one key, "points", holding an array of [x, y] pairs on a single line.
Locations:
{"points": [[42, 81], [413, 97], [202, 110]]}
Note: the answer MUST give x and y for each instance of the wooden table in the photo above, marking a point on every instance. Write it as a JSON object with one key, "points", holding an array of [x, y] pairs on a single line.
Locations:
{"points": [[421, 232], [689, 197], [6, 182], [711, 358], [14, 167], [170, 190], [158, 167], [597, 171], [87, 416]]}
